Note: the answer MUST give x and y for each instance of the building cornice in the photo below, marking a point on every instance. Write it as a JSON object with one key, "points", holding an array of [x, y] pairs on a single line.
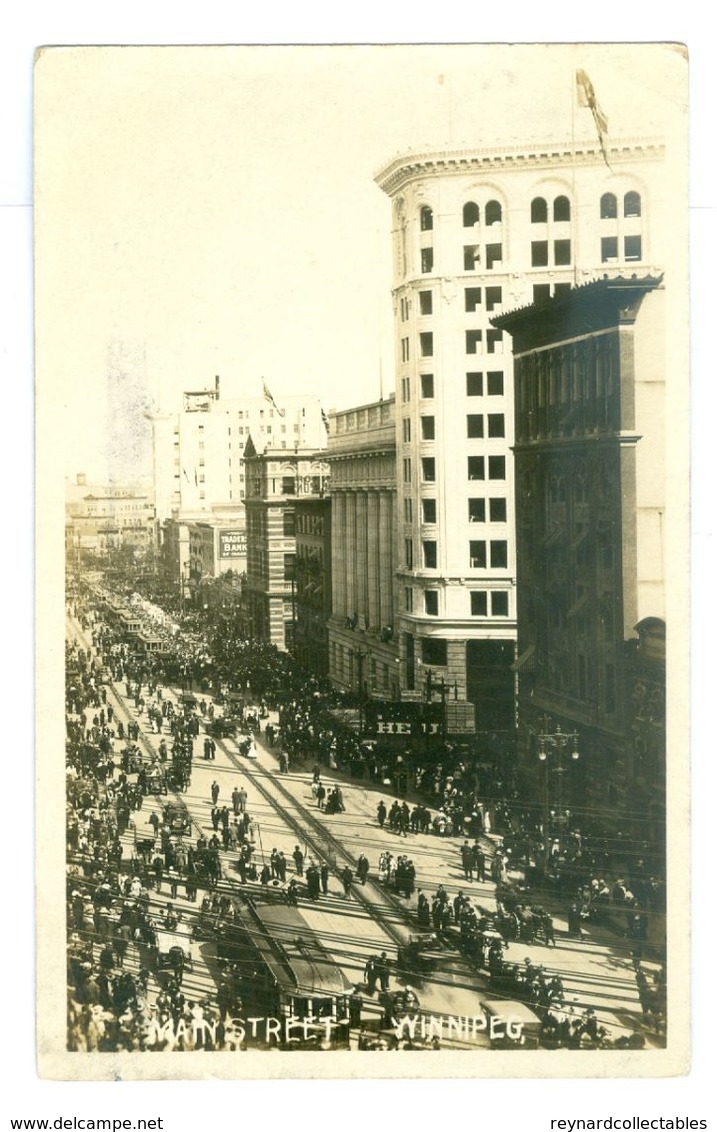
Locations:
{"points": [[506, 159]]}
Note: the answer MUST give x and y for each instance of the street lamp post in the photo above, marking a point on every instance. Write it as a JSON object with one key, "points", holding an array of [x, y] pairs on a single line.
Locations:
{"points": [[553, 746]]}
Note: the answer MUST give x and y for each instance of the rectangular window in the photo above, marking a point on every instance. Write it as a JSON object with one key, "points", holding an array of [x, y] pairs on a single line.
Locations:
{"points": [[493, 255], [474, 339], [562, 252], [406, 430], [495, 383], [493, 297], [498, 511], [471, 257], [430, 598], [289, 520], [428, 428], [633, 247], [541, 292], [408, 599], [476, 467], [479, 603], [430, 554], [406, 389], [426, 341], [496, 424], [539, 253], [408, 509], [496, 467], [408, 547], [560, 290], [425, 302], [474, 384], [407, 469], [405, 350], [427, 385], [473, 298], [476, 510], [288, 485], [289, 567], [474, 425], [426, 260], [608, 249], [499, 603], [429, 510], [428, 469], [495, 341], [499, 554], [477, 554]]}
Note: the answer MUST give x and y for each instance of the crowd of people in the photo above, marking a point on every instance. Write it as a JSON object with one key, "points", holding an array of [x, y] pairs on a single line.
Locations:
{"points": [[117, 900]]}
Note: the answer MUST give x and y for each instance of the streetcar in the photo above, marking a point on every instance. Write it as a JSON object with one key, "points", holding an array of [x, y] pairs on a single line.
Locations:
{"points": [[296, 994]]}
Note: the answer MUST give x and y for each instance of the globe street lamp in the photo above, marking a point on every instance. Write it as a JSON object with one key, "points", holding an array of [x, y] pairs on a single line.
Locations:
{"points": [[553, 750]]}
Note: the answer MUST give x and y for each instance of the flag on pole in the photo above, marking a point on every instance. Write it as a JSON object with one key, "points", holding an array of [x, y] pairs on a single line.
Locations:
{"points": [[586, 97], [325, 419], [267, 394]]}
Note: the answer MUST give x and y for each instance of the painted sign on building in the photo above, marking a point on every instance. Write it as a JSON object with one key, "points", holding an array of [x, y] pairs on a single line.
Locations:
{"points": [[232, 544], [407, 720]]}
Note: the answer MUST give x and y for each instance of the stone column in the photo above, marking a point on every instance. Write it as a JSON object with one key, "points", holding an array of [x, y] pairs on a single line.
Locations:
{"points": [[350, 561], [338, 548], [385, 556], [361, 556], [374, 561]]}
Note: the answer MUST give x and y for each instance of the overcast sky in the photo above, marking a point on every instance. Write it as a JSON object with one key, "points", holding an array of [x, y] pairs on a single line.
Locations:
{"points": [[207, 211]]}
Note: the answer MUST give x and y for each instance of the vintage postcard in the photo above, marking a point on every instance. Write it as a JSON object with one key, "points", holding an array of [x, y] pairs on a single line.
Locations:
{"points": [[362, 440]]}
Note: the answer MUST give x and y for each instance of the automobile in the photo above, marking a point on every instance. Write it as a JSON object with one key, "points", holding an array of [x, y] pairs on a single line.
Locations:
{"points": [[168, 943], [222, 728], [177, 818]]}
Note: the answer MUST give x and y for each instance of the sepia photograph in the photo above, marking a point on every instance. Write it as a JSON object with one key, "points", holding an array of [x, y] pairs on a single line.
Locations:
{"points": [[362, 409]]}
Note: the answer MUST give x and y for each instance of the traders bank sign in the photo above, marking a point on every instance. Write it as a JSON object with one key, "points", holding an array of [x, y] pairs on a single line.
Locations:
{"points": [[404, 721], [232, 544]]}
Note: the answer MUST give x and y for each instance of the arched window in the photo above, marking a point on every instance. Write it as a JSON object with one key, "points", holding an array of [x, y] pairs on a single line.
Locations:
{"points": [[608, 206], [538, 211], [632, 204], [471, 214], [493, 212], [426, 218], [561, 208]]}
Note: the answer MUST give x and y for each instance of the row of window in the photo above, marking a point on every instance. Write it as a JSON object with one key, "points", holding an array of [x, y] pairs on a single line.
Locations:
{"points": [[478, 557], [494, 385], [473, 299], [539, 211], [476, 468], [475, 427], [478, 599], [540, 254], [497, 510]]}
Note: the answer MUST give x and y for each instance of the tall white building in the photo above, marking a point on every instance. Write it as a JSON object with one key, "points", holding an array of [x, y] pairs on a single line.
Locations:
{"points": [[477, 232], [199, 451]]}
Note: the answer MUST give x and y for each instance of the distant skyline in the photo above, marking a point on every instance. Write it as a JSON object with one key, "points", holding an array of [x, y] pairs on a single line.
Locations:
{"points": [[207, 211]]}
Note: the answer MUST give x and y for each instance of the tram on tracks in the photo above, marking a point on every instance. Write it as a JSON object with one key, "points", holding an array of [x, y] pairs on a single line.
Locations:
{"points": [[295, 994]]}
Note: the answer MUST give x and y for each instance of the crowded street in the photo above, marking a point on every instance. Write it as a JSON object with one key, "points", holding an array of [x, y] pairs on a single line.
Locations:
{"points": [[232, 883]]}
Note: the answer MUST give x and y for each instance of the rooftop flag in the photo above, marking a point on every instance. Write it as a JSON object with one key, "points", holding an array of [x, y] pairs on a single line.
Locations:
{"points": [[267, 394], [586, 97]]}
